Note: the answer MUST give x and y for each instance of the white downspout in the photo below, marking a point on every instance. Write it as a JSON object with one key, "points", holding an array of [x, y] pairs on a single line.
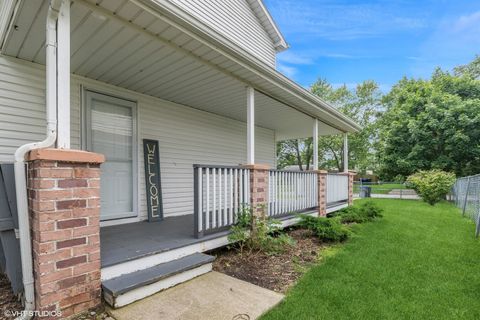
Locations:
{"points": [[19, 166]]}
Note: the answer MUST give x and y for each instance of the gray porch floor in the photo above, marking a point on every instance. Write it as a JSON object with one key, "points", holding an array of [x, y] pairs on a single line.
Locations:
{"points": [[135, 240]]}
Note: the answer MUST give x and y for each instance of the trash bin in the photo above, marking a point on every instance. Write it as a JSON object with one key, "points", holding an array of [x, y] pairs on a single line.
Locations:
{"points": [[365, 191]]}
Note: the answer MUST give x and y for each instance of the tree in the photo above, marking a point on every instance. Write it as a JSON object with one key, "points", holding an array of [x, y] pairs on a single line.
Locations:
{"points": [[471, 69], [362, 105], [431, 124], [295, 152]]}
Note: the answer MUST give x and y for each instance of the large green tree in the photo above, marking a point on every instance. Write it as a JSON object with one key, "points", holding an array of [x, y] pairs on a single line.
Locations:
{"points": [[432, 124], [362, 105]]}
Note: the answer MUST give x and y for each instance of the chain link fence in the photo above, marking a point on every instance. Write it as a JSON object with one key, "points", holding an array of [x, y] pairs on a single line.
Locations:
{"points": [[388, 190], [466, 195]]}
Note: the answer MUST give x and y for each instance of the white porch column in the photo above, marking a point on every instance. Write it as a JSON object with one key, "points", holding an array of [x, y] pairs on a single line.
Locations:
{"points": [[315, 144], [63, 67], [345, 152], [250, 125]]}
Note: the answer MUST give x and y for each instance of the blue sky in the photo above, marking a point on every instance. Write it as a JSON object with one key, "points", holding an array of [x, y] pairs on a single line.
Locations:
{"points": [[351, 41]]}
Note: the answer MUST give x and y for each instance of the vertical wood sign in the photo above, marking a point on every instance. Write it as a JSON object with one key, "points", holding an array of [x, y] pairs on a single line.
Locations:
{"points": [[152, 180]]}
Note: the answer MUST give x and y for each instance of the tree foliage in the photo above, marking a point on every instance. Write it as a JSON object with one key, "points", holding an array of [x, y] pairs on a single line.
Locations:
{"points": [[432, 185], [362, 105], [431, 124]]}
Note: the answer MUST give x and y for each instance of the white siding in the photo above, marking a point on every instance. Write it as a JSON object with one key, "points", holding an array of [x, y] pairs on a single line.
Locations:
{"points": [[235, 20], [186, 135]]}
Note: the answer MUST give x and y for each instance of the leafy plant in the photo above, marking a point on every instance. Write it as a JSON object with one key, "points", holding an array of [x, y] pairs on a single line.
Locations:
{"points": [[351, 215], [366, 211], [326, 229], [370, 210], [258, 234], [432, 185]]}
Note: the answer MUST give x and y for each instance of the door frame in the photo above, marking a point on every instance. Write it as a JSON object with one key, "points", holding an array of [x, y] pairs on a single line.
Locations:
{"points": [[86, 141]]}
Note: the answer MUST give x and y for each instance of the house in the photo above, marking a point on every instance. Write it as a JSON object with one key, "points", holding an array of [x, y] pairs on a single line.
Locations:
{"points": [[181, 104]]}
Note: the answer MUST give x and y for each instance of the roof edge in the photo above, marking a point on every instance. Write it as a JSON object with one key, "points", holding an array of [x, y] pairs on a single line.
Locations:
{"points": [[227, 48], [280, 44]]}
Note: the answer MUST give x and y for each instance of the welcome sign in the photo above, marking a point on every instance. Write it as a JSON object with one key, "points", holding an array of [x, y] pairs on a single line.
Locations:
{"points": [[152, 180]]}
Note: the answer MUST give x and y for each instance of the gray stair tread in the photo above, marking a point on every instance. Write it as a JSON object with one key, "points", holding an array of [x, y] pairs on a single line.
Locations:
{"points": [[130, 281]]}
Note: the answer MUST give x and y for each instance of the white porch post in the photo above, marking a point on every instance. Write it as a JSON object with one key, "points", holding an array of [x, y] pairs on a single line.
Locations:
{"points": [[315, 144], [63, 67], [250, 125], [345, 152]]}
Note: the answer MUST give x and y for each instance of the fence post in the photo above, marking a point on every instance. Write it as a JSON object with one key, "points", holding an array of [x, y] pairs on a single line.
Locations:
{"points": [[477, 225], [466, 197]]}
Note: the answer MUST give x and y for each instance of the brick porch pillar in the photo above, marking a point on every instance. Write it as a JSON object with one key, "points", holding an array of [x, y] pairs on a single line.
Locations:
{"points": [[64, 203], [258, 188], [322, 192], [351, 177]]}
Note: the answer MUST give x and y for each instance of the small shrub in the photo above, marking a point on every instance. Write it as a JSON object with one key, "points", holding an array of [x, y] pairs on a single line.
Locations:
{"points": [[370, 210], [366, 211], [433, 185], [351, 215], [326, 229], [267, 236]]}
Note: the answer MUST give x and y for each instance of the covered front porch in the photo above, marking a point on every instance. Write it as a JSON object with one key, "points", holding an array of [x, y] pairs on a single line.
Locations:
{"points": [[122, 73], [221, 192]]}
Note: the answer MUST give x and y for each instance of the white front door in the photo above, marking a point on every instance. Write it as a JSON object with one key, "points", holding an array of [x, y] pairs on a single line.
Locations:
{"points": [[111, 131]]}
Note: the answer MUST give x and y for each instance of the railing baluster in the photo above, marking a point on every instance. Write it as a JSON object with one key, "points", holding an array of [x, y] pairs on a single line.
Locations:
{"points": [[230, 212], [235, 181], [214, 201], [207, 209], [225, 200]]}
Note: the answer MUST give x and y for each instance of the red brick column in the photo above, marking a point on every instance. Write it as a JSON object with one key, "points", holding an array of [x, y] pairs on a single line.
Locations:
{"points": [[64, 203], [258, 188], [351, 177], [322, 192]]}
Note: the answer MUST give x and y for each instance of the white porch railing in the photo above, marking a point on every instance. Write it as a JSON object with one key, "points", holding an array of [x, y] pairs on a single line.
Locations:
{"points": [[337, 188], [291, 191], [220, 192]]}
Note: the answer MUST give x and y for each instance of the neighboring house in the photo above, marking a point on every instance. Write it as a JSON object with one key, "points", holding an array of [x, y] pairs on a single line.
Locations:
{"points": [[198, 78]]}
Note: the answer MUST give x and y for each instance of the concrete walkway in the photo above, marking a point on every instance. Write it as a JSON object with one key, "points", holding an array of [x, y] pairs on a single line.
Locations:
{"points": [[211, 296]]}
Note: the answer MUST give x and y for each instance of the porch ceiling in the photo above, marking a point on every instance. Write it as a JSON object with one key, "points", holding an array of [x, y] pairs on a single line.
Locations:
{"points": [[124, 43]]}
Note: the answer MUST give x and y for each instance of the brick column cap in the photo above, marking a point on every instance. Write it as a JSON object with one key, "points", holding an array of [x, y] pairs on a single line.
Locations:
{"points": [[66, 155], [256, 166]]}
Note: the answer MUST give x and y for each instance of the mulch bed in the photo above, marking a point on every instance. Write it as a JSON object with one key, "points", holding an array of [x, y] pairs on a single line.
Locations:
{"points": [[274, 272], [8, 301]]}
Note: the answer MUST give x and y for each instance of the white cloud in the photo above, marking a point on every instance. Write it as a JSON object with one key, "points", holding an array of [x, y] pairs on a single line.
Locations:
{"points": [[468, 22], [292, 58], [343, 20], [287, 70], [455, 40]]}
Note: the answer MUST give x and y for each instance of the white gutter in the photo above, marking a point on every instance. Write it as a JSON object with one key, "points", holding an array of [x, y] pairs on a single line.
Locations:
{"points": [[20, 153]]}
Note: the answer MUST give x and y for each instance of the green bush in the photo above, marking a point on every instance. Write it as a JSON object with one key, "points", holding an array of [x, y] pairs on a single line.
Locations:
{"points": [[370, 210], [433, 185], [366, 211], [267, 236], [326, 229], [351, 215]]}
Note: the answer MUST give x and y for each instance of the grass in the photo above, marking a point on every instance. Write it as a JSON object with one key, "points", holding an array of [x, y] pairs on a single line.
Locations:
{"points": [[380, 188], [418, 262]]}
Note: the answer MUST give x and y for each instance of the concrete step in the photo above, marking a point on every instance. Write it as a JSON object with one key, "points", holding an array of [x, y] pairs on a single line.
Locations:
{"points": [[137, 285]]}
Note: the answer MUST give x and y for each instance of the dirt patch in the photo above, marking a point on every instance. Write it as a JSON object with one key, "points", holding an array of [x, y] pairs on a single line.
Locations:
{"points": [[8, 301], [274, 272]]}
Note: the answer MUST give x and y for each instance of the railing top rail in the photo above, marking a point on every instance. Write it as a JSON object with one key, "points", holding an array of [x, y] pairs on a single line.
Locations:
{"points": [[211, 166], [337, 174], [291, 171]]}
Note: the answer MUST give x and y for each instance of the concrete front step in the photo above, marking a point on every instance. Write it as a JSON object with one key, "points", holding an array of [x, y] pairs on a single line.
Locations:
{"points": [[137, 285]]}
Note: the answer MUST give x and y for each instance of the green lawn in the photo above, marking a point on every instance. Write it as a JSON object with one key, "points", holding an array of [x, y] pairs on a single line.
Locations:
{"points": [[418, 262], [380, 188]]}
